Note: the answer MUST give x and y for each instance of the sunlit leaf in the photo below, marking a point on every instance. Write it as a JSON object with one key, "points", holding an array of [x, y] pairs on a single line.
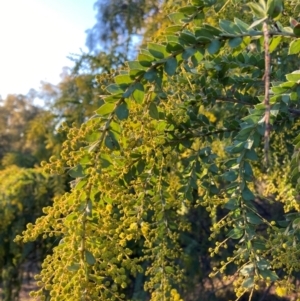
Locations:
{"points": [[157, 50], [76, 172], [105, 109], [294, 47]]}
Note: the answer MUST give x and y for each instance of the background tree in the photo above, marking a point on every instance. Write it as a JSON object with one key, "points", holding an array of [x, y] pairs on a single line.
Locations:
{"points": [[24, 192]]}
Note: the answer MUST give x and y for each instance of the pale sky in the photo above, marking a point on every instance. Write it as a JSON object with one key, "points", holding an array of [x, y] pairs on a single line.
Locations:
{"points": [[36, 36]]}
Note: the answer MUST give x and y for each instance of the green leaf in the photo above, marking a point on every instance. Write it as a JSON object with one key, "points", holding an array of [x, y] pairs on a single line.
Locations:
{"points": [[248, 169], [89, 207], [235, 42], [258, 10], [76, 172], [232, 204], [249, 282], [274, 8], [296, 223], [293, 77], [296, 30], [173, 29], [219, 5], [150, 75], [110, 141], [294, 47], [123, 80], [197, 2], [171, 66], [251, 155], [138, 94], [176, 17], [129, 91], [259, 245], [268, 274], [114, 89], [71, 217], [242, 25], [244, 133], [105, 109], [73, 267], [197, 57], [208, 33], [188, 37], [173, 47], [145, 60], [230, 176], [122, 111], [157, 50], [247, 270], [89, 257], [237, 148], [257, 22], [188, 53], [189, 10], [204, 40], [252, 218], [263, 264], [214, 46], [275, 41], [136, 65], [229, 27], [214, 31], [169, 269], [247, 194], [153, 111], [235, 233], [112, 98], [134, 73], [105, 161]]}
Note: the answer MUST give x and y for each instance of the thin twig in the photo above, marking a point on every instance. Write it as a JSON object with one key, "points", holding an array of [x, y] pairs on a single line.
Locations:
{"points": [[219, 99]]}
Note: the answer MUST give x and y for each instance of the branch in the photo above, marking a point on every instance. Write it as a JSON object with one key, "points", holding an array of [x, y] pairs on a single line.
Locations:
{"points": [[267, 89], [259, 34], [198, 134]]}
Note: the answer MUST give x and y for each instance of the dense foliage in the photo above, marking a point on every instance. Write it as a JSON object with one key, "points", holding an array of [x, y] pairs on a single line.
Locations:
{"points": [[194, 150]]}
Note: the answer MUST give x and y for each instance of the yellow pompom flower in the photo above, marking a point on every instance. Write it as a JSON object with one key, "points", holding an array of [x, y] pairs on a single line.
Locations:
{"points": [[281, 291]]}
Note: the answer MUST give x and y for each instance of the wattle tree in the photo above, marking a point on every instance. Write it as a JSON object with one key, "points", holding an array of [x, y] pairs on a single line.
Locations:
{"points": [[189, 167]]}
